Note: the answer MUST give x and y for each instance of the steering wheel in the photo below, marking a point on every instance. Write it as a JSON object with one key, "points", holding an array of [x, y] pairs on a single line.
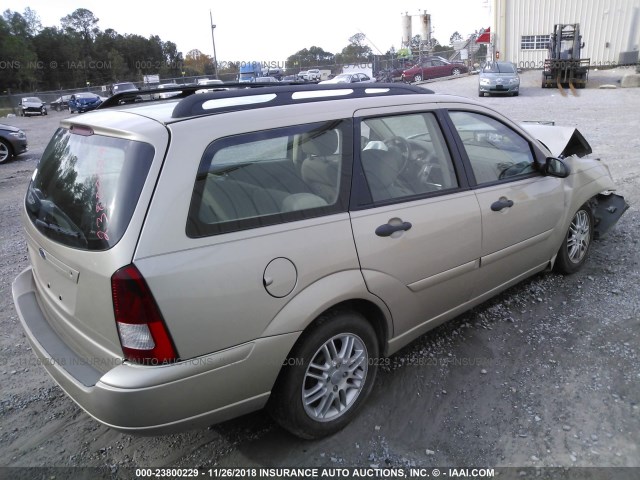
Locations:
{"points": [[404, 147]]}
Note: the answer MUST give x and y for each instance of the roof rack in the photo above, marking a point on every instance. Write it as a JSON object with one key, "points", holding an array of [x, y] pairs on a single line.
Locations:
{"points": [[247, 98], [242, 96]]}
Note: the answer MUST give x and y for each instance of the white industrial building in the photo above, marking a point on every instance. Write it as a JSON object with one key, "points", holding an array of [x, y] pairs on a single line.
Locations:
{"points": [[609, 28]]}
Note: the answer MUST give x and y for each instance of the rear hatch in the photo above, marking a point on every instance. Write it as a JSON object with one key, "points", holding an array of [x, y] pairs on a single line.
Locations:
{"points": [[84, 210]]}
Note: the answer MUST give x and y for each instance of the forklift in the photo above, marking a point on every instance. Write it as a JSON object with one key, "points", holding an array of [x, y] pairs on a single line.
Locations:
{"points": [[564, 67]]}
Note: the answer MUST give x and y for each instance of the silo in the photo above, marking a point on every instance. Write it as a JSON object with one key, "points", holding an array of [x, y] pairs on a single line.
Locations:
{"points": [[425, 28], [406, 30]]}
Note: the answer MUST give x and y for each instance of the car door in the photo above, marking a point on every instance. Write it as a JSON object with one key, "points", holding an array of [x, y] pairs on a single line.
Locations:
{"points": [[440, 69], [427, 70], [416, 227], [520, 207]]}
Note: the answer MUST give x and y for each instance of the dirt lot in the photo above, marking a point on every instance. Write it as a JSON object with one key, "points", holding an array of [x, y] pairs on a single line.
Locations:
{"points": [[547, 374]]}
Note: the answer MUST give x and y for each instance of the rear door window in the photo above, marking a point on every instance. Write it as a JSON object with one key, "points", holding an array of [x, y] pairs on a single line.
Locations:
{"points": [[269, 177], [86, 187]]}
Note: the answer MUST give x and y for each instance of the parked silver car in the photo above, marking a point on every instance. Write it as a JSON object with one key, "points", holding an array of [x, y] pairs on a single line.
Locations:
{"points": [[199, 258], [499, 78]]}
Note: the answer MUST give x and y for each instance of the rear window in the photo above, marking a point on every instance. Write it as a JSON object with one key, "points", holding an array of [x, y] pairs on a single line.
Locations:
{"points": [[86, 187]]}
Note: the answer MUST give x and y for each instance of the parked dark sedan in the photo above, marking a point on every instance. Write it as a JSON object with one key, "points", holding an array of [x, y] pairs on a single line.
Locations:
{"points": [[61, 103], [31, 106], [13, 141], [84, 102], [433, 67]]}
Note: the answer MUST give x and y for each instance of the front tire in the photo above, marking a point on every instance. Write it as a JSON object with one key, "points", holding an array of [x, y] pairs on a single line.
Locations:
{"points": [[575, 247], [456, 71], [417, 78], [327, 376], [5, 151]]}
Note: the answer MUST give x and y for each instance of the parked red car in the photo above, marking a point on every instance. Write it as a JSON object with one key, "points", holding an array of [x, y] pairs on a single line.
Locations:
{"points": [[432, 67]]}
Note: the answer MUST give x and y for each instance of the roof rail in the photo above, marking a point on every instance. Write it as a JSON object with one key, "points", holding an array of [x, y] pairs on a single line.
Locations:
{"points": [[284, 94], [219, 98]]}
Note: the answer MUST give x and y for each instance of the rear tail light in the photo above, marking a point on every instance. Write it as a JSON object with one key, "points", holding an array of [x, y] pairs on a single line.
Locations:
{"points": [[143, 333]]}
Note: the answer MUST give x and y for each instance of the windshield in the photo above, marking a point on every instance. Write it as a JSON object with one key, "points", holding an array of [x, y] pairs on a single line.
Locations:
{"points": [[86, 187], [499, 68]]}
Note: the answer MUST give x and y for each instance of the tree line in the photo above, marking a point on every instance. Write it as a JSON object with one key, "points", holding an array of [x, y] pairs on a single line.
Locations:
{"points": [[78, 54]]}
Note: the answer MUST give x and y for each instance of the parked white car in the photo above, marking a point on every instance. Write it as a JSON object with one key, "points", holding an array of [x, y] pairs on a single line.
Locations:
{"points": [[313, 75], [350, 78]]}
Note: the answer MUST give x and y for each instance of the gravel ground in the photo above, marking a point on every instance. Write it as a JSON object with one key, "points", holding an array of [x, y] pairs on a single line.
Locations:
{"points": [[546, 374]]}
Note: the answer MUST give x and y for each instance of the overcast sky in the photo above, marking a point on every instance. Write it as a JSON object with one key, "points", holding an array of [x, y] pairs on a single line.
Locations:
{"points": [[267, 30]]}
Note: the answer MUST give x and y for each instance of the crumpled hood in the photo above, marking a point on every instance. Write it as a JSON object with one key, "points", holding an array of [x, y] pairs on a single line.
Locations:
{"points": [[561, 141]]}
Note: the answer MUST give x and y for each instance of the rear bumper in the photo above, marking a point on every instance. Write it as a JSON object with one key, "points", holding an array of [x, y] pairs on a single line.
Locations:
{"points": [[155, 399]]}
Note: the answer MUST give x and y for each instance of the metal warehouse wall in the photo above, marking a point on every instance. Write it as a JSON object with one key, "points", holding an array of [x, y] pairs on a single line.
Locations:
{"points": [[606, 27]]}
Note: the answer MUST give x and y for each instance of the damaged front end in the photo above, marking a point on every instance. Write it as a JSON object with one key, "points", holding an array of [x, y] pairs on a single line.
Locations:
{"points": [[562, 142], [607, 208]]}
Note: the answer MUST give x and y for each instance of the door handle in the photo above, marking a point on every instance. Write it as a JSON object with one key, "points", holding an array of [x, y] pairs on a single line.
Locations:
{"points": [[387, 229], [504, 202]]}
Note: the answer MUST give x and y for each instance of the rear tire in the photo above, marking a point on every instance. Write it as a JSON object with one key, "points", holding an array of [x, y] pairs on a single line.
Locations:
{"points": [[456, 71], [327, 377], [575, 248]]}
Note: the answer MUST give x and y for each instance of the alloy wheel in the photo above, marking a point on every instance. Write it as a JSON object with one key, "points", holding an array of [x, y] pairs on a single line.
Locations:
{"points": [[579, 236], [335, 377]]}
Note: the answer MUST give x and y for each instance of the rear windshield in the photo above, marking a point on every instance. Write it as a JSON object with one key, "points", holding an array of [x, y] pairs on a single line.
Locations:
{"points": [[86, 187]]}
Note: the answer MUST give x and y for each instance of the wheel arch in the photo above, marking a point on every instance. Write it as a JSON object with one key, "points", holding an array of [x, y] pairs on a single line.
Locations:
{"points": [[371, 313], [342, 291], [10, 151]]}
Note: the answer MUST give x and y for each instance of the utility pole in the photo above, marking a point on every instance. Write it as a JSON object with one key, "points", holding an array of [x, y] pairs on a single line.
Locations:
{"points": [[213, 40]]}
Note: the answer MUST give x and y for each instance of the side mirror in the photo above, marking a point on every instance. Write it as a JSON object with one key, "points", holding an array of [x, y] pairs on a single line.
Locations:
{"points": [[556, 167]]}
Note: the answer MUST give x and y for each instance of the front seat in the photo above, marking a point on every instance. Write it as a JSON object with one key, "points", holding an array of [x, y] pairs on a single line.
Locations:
{"points": [[321, 168]]}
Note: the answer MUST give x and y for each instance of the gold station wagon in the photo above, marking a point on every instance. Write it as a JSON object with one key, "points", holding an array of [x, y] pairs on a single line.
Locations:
{"points": [[204, 256]]}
